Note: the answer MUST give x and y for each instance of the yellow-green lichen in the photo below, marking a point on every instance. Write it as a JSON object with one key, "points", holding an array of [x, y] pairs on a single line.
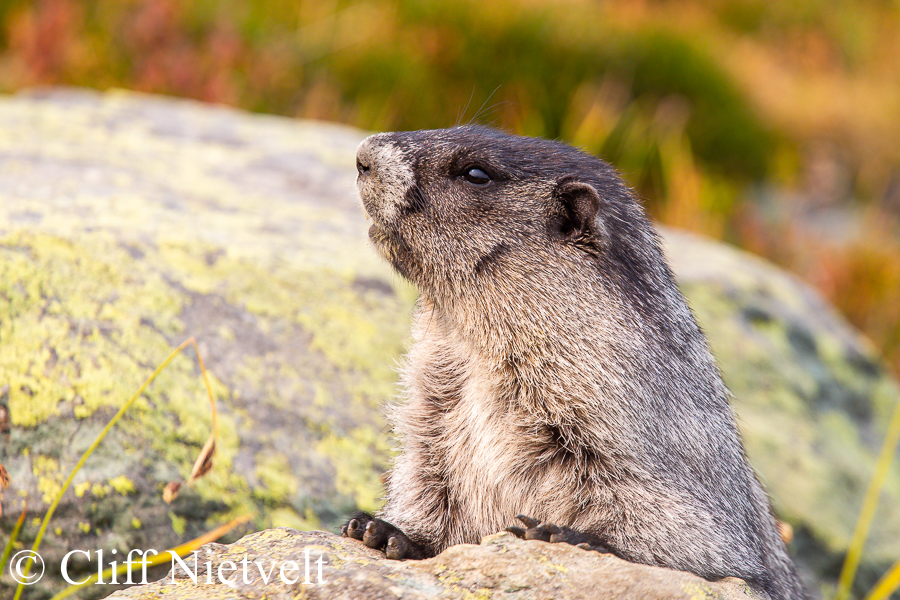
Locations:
{"points": [[356, 464], [49, 479], [274, 473], [81, 488], [179, 524], [699, 591], [122, 485], [552, 565], [449, 578], [287, 517], [479, 594], [44, 465], [52, 354]]}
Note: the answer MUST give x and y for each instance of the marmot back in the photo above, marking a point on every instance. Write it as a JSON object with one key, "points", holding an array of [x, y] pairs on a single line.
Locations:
{"points": [[556, 370]]}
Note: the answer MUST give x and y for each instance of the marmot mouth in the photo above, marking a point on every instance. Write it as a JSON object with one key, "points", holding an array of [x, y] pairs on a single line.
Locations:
{"points": [[369, 214]]}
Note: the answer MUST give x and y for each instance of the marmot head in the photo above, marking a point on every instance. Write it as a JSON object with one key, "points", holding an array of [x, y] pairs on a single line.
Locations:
{"points": [[469, 209]]}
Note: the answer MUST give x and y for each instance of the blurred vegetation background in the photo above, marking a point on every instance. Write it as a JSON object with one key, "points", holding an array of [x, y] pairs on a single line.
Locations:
{"points": [[771, 125]]}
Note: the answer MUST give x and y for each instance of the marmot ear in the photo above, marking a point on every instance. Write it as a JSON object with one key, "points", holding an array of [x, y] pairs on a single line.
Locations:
{"points": [[574, 214]]}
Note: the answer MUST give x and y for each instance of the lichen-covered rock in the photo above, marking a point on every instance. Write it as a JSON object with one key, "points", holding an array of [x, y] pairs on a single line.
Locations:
{"points": [[128, 223], [501, 567]]}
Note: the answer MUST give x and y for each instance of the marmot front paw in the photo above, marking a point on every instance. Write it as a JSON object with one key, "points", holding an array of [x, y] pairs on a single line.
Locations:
{"points": [[548, 532], [381, 535]]}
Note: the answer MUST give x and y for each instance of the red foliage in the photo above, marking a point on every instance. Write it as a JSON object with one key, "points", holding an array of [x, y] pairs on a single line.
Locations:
{"points": [[43, 37]]}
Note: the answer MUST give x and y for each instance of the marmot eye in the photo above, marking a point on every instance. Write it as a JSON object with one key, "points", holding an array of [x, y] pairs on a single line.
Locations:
{"points": [[476, 176]]}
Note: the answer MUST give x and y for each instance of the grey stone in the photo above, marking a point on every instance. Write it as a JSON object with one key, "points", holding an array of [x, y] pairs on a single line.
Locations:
{"points": [[501, 567]]}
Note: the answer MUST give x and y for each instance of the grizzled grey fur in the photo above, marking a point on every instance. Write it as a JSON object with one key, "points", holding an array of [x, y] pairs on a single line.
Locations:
{"points": [[556, 371]]}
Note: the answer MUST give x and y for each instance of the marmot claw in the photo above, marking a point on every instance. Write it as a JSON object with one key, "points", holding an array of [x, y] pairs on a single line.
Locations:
{"points": [[381, 535], [548, 532]]}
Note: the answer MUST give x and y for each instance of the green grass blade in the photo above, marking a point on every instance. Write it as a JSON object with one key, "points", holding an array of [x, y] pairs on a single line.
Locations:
{"points": [[12, 538], [870, 503], [887, 585]]}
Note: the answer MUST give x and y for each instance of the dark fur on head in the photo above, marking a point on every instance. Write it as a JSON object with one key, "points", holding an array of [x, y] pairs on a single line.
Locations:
{"points": [[556, 370]]}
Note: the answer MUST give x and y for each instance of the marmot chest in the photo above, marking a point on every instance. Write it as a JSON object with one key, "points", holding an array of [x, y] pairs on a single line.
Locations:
{"points": [[499, 462]]}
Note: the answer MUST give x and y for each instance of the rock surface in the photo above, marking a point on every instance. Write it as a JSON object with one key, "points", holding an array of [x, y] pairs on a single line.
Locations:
{"points": [[128, 223], [501, 567]]}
